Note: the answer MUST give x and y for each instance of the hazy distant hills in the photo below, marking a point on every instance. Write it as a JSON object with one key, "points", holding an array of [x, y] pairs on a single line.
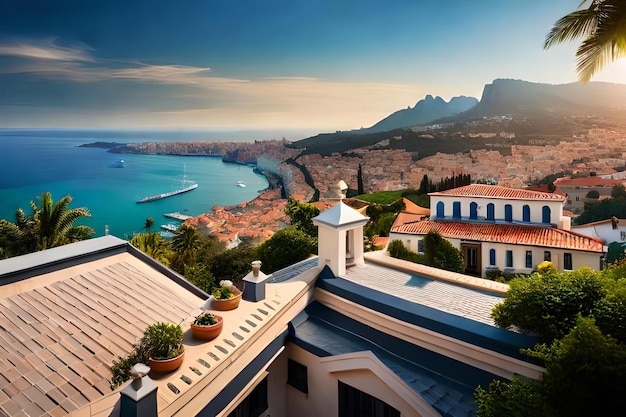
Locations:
{"points": [[553, 112], [523, 98], [425, 111]]}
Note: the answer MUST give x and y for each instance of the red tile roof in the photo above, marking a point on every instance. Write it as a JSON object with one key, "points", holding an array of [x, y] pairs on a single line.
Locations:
{"points": [[494, 191], [504, 233], [587, 182]]}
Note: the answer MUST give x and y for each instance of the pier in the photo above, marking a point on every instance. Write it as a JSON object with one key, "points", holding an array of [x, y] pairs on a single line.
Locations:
{"points": [[177, 215]]}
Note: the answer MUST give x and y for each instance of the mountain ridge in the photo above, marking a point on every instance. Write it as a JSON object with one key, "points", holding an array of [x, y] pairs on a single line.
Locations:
{"points": [[425, 110]]}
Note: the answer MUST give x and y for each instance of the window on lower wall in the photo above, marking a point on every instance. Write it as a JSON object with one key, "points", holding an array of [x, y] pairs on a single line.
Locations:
{"points": [[509, 259], [356, 403], [297, 376], [567, 261], [547, 256], [529, 259], [254, 404]]}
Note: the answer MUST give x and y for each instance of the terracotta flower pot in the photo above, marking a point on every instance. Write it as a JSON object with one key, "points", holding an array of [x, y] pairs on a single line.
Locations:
{"points": [[166, 365], [208, 332], [228, 304]]}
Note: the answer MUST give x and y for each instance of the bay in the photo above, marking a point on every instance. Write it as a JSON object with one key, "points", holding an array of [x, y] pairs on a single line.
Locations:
{"points": [[36, 161]]}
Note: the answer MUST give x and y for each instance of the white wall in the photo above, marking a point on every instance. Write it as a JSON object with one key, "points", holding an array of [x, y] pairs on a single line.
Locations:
{"points": [[579, 258], [322, 399], [536, 208]]}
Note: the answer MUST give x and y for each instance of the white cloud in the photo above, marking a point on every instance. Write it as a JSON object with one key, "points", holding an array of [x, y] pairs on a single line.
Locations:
{"points": [[46, 50]]}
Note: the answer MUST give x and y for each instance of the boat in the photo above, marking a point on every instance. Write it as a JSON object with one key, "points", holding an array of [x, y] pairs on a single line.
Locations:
{"points": [[169, 194], [240, 184], [165, 195], [118, 164], [170, 227]]}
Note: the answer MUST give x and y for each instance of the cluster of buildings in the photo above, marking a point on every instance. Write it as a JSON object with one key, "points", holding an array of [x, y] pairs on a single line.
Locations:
{"points": [[342, 333], [505, 229]]}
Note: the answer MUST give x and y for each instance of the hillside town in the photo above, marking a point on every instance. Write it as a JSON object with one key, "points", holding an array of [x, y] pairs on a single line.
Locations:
{"points": [[594, 160]]}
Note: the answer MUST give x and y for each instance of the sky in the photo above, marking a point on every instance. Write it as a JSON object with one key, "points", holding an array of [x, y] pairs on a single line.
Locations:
{"points": [[322, 65]]}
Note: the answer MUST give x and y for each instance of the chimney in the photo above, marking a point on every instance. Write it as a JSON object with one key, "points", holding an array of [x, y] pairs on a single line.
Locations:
{"points": [[254, 283], [139, 397]]}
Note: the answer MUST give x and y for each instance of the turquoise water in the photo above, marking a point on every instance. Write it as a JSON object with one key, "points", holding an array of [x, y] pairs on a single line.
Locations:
{"points": [[35, 161]]}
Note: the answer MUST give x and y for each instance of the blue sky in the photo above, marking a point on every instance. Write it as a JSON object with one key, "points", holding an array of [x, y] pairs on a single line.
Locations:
{"points": [[264, 64]]}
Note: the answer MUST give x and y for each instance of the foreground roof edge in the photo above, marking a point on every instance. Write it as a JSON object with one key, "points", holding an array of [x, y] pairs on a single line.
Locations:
{"points": [[27, 266]]}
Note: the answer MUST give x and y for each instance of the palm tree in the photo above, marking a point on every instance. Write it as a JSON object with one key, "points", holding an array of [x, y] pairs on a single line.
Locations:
{"points": [[186, 243], [153, 245], [55, 220], [148, 224], [603, 27]]}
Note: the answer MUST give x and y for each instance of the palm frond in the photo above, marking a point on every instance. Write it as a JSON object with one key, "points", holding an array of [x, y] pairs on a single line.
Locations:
{"points": [[575, 25]]}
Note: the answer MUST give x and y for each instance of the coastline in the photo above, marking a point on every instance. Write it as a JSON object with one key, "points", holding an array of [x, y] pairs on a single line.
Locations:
{"points": [[257, 219]]}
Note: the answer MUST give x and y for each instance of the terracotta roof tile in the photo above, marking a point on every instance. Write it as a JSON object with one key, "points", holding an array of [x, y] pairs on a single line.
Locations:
{"points": [[494, 191], [60, 338], [504, 233], [590, 181]]}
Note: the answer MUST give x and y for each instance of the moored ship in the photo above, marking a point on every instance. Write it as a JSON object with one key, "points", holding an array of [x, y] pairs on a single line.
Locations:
{"points": [[165, 195]]}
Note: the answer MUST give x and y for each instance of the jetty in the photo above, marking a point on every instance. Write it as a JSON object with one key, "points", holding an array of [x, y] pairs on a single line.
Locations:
{"points": [[177, 215]]}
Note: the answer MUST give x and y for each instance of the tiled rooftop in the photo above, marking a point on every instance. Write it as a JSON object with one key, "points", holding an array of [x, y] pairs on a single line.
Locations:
{"points": [[60, 333], [505, 233], [448, 297], [494, 191], [590, 181]]}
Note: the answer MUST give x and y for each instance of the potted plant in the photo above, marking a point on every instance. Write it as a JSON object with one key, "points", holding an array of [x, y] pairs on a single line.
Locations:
{"points": [[164, 344], [207, 326], [226, 296]]}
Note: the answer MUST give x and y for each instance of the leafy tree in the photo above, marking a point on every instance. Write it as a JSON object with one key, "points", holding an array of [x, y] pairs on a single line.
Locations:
{"points": [[233, 264], [185, 244], [153, 245], [616, 252], [518, 398], [10, 237], [397, 250], [581, 368], [301, 215], [440, 253], [593, 194], [200, 276], [585, 376], [548, 303], [359, 180], [55, 220], [602, 26], [618, 191], [602, 210], [610, 311], [286, 247], [50, 224]]}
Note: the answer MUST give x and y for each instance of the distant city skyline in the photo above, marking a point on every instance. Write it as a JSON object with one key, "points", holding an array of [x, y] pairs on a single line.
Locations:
{"points": [[275, 64]]}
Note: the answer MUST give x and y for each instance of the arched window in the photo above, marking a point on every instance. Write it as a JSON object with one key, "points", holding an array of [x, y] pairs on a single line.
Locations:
{"points": [[456, 210], [526, 213], [440, 207], [491, 211], [508, 213], [473, 210], [546, 215]]}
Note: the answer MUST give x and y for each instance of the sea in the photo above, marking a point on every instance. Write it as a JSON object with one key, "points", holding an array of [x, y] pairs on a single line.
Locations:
{"points": [[33, 161]]}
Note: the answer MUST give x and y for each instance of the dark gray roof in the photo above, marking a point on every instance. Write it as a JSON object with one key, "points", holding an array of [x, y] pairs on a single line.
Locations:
{"points": [[447, 385]]}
